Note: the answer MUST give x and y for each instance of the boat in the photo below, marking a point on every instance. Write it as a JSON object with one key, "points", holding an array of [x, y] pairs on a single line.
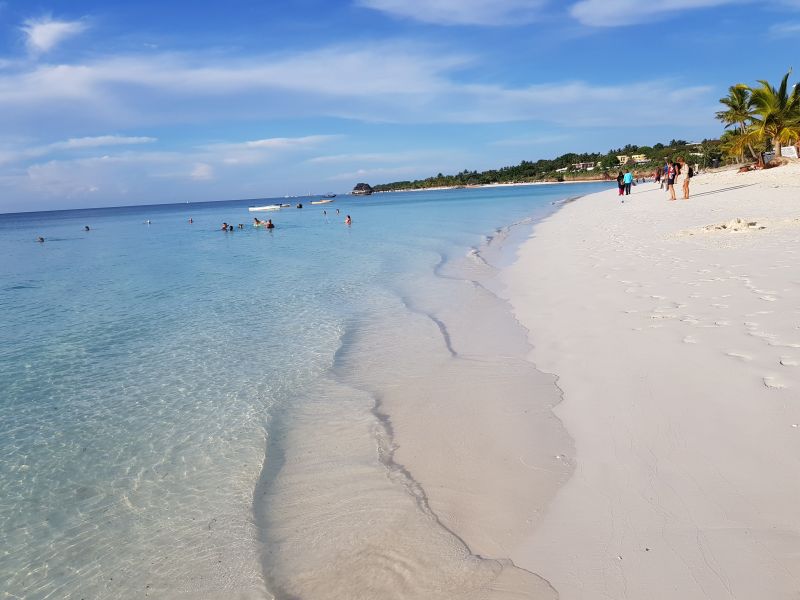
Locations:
{"points": [[285, 205], [329, 196], [264, 208], [321, 201]]}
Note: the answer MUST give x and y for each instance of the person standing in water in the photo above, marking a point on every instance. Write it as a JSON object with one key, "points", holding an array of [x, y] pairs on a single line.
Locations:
{"points": [[348, 220]]}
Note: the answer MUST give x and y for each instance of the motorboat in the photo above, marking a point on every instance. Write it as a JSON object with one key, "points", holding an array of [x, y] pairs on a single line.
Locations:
{"points": [[265, 208]]}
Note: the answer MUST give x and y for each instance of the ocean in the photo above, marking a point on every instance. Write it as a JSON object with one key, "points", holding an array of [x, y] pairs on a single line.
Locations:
{"points": [[186, 412]]}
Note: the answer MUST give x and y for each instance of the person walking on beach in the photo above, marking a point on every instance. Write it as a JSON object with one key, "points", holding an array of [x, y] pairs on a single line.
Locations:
{"points": [[664, 172], [628, 179], [621, 183], [683, 177]]}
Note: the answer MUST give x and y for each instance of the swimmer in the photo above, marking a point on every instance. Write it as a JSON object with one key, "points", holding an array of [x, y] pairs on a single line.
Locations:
{"points": [[224, 227], [256, 222], [191, 220], [230, 227], [348, 220], [269, 224], [337, 211], [40, 239], [241, 225], [147, 222], [299, 205], [86, 228]]}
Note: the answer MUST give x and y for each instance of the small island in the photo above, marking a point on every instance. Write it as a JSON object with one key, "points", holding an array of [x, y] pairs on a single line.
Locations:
{"points": [[362, 189]]}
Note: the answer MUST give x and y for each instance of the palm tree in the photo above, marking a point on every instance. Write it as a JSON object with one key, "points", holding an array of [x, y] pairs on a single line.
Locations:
{"points": [[739, 115], [777, 112]]}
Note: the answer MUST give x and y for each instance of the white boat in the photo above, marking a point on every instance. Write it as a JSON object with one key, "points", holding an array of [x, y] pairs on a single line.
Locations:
{"points": [[264, 208], [321, 201]]}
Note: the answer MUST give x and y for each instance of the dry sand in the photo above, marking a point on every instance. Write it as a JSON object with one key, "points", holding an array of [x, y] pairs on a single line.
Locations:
{"points": [[677, 346]]}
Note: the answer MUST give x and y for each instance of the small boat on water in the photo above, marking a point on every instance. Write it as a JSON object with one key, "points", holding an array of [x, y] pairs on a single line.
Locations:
{"points": [[321, 201], [329, 196], [265, 208]]}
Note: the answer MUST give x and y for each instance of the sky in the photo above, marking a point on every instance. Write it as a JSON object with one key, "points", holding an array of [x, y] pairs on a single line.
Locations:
{"points": [[121, 103]]}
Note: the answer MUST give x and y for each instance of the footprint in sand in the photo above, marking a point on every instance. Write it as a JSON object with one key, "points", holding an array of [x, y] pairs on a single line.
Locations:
{"points": [[719, 305], [788, 361], [773, 383], [721, 323], [763, 335], [773, 342], [689, 340], [739, 355], [768, 298]]}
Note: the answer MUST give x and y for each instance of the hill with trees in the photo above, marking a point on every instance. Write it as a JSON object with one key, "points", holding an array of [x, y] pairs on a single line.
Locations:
{"points": [[572, 166]]}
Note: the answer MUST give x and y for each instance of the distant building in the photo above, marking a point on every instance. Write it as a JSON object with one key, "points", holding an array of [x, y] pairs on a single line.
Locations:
{"points": [[623, 159], [562, 170], [639, 159], [583, 166]]}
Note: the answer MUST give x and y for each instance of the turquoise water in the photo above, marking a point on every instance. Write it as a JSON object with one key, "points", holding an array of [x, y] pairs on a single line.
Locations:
{"points": [[144, 369]]}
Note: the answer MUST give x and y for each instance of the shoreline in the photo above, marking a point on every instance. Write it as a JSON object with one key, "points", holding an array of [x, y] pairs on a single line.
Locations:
{"points": [[672, 330], [447, 499], [493, 185]]}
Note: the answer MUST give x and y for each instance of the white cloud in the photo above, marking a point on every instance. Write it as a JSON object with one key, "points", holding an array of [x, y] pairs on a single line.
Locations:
{"points": [[614, 13], [461, 12], [256, 151], [44, 34], [372, 157], [100, 140], [19, 153], [785, 29], [383, 172], [395, 83], [202, 172]]}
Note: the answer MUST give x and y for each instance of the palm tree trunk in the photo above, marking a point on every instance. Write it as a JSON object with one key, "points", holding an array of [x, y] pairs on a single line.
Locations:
{"points": [[776, 145]]}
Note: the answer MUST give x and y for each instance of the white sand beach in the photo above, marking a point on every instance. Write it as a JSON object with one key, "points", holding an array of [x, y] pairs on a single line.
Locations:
{"points": [[676, 342]]}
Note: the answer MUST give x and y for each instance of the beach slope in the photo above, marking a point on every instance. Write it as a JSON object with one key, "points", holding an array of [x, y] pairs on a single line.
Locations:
{"points": [[674, 330]]}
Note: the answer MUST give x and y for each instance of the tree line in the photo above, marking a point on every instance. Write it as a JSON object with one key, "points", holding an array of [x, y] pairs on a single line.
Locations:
{"points": [[758, 118], [563, 168]]}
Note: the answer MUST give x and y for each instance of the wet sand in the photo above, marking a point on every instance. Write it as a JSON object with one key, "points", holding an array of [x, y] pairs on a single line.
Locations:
{"points": [[427, 459]]}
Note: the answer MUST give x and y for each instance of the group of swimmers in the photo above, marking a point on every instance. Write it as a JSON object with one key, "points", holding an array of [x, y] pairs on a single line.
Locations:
{"points": [[268, 224], [259, 223], [40, 239]]}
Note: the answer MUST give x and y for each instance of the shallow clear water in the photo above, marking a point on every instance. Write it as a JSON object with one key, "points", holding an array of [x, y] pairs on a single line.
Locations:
{"points": [[145, 370]]}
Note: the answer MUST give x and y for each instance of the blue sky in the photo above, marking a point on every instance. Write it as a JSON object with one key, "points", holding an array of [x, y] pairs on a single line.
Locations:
{"points": [[112, 103]]}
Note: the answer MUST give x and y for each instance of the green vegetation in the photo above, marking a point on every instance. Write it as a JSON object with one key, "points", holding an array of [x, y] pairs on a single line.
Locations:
{"points": [[760, 118], [756, 119], [572, 167]]}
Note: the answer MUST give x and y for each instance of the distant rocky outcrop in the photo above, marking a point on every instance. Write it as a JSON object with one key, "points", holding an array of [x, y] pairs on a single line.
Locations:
{"points": [[362, 189]]}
